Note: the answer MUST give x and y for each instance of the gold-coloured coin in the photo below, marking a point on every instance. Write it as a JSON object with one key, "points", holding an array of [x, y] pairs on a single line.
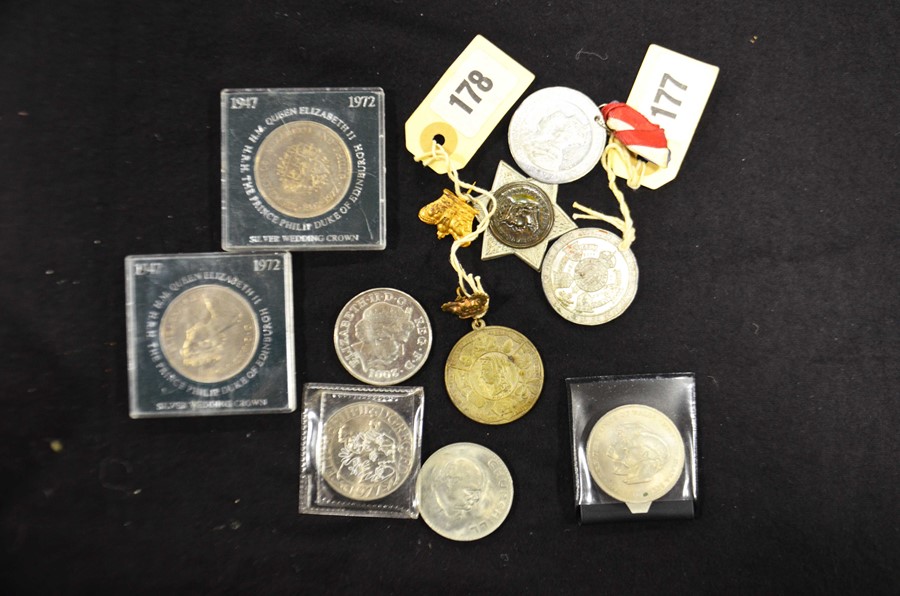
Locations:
{"points": [[303, 169], [209, 333], [494, 375], [367, 451], [635, 453]]}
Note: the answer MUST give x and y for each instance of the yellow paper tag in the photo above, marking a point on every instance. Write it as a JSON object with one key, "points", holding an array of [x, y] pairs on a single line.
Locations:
{"points": [[477, 90], [671, 90]]}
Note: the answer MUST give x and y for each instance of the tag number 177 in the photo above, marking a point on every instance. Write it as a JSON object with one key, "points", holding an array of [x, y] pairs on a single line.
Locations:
{"points": [[661, 92], [479, 81]]}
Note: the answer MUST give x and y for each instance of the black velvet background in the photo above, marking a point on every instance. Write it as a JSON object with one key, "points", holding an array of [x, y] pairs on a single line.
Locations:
{"points": [[768, 267]]}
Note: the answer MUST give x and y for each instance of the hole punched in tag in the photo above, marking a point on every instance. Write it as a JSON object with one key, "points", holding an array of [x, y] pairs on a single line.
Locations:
{"points": [[466, 104]]}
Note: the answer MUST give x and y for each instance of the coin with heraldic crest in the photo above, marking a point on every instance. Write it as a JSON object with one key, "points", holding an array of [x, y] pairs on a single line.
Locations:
{"points": [[494, 375], [209, 333], [464, 491], [382, 336], [303, 169], [586, 277], [366, 451], [635, 453], [524, 215]]}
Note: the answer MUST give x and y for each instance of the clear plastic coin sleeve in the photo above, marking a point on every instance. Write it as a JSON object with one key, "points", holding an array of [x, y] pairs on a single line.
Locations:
{"points": [[303, 169], [361, 449], [630, 453], [210, 334]]}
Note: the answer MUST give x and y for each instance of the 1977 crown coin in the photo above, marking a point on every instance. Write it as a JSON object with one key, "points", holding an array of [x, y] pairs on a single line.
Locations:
{"points": [[367, 451]]}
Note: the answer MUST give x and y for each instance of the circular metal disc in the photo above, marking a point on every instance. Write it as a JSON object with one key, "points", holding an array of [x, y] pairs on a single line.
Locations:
{"points": [[586, 277], [464, 491], [524, 215], [367, 451], [494, 375], [635, 453], [303, 169], [555, 135], [382, 336], [209, 333]]}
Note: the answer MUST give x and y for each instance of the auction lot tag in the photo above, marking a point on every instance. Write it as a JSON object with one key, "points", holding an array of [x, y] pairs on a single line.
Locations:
{"points": [[477, 90], [671, 90]]}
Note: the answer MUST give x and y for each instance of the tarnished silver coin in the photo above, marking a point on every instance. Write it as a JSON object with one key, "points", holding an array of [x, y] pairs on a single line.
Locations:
{"points": [[303, 169], [556, 135], [382, 336], [367, 451], [586, 277], [524, 215], [635, 454], [209, 333], [464, 491]]}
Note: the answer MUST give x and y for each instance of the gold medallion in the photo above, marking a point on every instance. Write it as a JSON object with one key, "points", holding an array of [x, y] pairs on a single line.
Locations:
{"points": [[494, 375], [303, 169], [635, 453], [209, 333]]}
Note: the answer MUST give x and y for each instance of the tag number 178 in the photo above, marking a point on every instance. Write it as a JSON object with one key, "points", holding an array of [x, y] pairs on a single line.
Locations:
{"points": [[469, 84]]}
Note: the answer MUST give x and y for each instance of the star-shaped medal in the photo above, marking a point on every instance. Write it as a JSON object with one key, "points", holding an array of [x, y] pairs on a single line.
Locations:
{"points": [[526, 219]]}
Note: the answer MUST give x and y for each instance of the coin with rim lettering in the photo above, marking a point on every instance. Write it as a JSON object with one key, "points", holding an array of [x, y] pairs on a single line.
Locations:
{"points": [[382, 336], [635, 453], [494, 375], [209, 333], [523, 216], [587, 278], [367, 451], [303, 169], [556, 135], [464, 491]]}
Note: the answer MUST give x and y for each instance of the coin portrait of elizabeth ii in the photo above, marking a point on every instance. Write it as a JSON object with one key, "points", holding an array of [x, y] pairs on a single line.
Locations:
{"points": [[382, 333]]}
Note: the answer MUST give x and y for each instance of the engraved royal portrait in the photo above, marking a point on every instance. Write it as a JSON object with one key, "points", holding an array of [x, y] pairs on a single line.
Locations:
{"points": [[382, 336], [209, 333], [635, 453], [494, 375]]}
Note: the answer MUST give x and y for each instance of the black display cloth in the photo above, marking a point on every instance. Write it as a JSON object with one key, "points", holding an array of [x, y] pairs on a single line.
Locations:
{"points": [[768, 268]]}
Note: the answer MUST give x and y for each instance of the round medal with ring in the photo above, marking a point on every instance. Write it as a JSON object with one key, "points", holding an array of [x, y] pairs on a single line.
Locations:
{"points": [[556, 135], [588, 279], [494, 374]]}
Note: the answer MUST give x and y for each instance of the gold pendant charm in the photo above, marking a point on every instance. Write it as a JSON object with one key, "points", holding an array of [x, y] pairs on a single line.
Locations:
{"points": [[494, 375], [474, 306], [451, 214]]}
